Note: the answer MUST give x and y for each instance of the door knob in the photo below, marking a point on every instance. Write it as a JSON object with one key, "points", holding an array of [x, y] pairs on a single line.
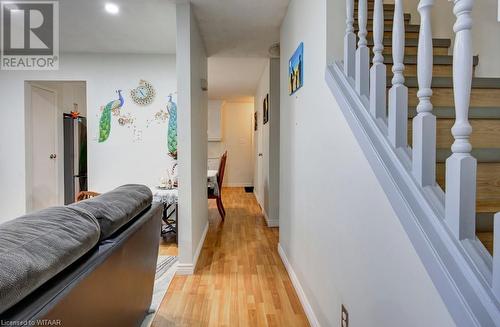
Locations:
{"points": [[53, 156], [260, 154]]}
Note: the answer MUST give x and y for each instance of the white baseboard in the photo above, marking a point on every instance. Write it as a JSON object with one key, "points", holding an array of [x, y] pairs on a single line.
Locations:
{"points": [[313, 321], [185, 269], [257, 197], [270, 222], [236, 184], [273, 222], [189, 268]]}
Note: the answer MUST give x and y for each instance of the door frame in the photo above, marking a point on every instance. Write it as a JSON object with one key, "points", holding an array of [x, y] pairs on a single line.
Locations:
{"points": [[28, 89], [259, 149]]}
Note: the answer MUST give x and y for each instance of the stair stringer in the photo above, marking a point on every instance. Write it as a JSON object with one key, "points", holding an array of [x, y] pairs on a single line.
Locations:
{"points": [[460, 270]]}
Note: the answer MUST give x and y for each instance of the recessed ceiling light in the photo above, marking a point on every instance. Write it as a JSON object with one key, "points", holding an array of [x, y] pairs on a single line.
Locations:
{"points": [[112, 8]]}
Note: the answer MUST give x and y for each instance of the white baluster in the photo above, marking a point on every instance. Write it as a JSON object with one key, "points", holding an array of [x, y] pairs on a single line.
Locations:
{"points": [[362, 53], [424, 124], [349, 41], [378, 73], [461, 166], [398, 94], [496, 256]]}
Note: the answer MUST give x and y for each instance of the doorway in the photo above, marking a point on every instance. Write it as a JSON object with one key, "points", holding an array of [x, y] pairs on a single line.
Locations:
{"points": [[55, 142], [43, 163], [267, 140]]}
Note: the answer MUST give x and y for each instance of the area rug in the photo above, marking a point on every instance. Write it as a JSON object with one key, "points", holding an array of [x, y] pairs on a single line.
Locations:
{"points": [[165, 271]]}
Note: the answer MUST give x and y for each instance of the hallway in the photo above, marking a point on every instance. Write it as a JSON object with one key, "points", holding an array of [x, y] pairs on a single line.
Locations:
{"points": [[240, 279]]}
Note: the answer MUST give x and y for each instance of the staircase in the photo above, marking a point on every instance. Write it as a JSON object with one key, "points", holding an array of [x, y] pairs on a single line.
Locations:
{"points": [[430, 130], [484, 113]]}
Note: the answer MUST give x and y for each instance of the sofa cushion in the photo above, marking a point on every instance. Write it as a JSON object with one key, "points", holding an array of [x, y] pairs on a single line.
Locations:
{"points": [[116, 208], [37, 246]]}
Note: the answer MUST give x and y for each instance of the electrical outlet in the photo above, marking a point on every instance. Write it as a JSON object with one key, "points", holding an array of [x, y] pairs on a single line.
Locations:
{"points": [[344, 317]]}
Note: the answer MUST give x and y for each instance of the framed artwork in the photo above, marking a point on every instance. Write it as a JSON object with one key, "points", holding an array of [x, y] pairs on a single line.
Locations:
{"points": [[265, 110], [296, 70], [255, 121]]}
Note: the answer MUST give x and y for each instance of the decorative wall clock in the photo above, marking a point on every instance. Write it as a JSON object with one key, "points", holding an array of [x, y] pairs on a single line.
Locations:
{"points": [[144, 94]]}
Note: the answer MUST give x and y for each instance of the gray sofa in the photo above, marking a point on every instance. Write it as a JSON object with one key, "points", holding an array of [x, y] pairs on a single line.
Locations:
{"points": [[87, 264]]}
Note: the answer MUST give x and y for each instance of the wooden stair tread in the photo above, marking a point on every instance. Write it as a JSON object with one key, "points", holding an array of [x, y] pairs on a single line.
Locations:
{"points": [[387, 8], [438, 60], [387, 12], [483, 155], [386, 18], [488, 208], [370, 6], [408, 28], [486, 133], [449, 112], [447, 82], [437, 43], [388, 23], [488, 192]]}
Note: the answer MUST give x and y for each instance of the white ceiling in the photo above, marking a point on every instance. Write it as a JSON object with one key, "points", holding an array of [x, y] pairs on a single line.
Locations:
{"points": [[234, 78], [141, 26], [240, 28], [237, 35]]}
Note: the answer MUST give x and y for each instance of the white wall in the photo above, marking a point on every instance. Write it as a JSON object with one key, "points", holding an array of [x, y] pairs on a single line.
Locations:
{"points": [[214, 121], [118, 161], [337, 228], [261, 174], [237, 131], [192, 117], [267, 138], [274, 141]]}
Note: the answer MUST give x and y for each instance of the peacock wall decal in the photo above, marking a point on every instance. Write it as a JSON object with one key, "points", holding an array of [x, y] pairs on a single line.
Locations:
{"points": [[172, 128], [105, 121]]}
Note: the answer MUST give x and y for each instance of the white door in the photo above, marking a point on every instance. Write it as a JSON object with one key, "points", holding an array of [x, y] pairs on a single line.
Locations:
{"points": [[43, 149], [259, 187]]}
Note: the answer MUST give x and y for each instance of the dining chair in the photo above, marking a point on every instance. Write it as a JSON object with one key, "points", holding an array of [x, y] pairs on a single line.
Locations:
{"points": [[84, 195], [220, 179]]}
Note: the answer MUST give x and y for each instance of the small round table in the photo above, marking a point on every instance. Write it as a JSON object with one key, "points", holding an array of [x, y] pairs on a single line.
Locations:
{"points": [[168, 198]]}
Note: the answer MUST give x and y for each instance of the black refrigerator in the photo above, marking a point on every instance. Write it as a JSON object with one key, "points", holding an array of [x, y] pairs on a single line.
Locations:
{"points": [[75, 156]]}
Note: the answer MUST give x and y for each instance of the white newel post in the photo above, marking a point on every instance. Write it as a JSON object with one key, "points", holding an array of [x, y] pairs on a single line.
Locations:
{"points": [[461, 165], [362, 53], [398, 94], [349, 41], [424, 124], [378, 73], [496, 256]]}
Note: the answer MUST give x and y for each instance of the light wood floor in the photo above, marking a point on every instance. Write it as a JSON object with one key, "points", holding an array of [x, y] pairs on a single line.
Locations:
{"points": [[240, 279]]}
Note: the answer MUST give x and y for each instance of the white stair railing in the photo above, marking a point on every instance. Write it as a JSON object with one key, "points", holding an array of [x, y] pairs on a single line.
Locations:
{"points": [[416, 178], [349, 41], [461, 165], [398, 94], [378, 73], [424, 124], [362, 53], [496, 257]]}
